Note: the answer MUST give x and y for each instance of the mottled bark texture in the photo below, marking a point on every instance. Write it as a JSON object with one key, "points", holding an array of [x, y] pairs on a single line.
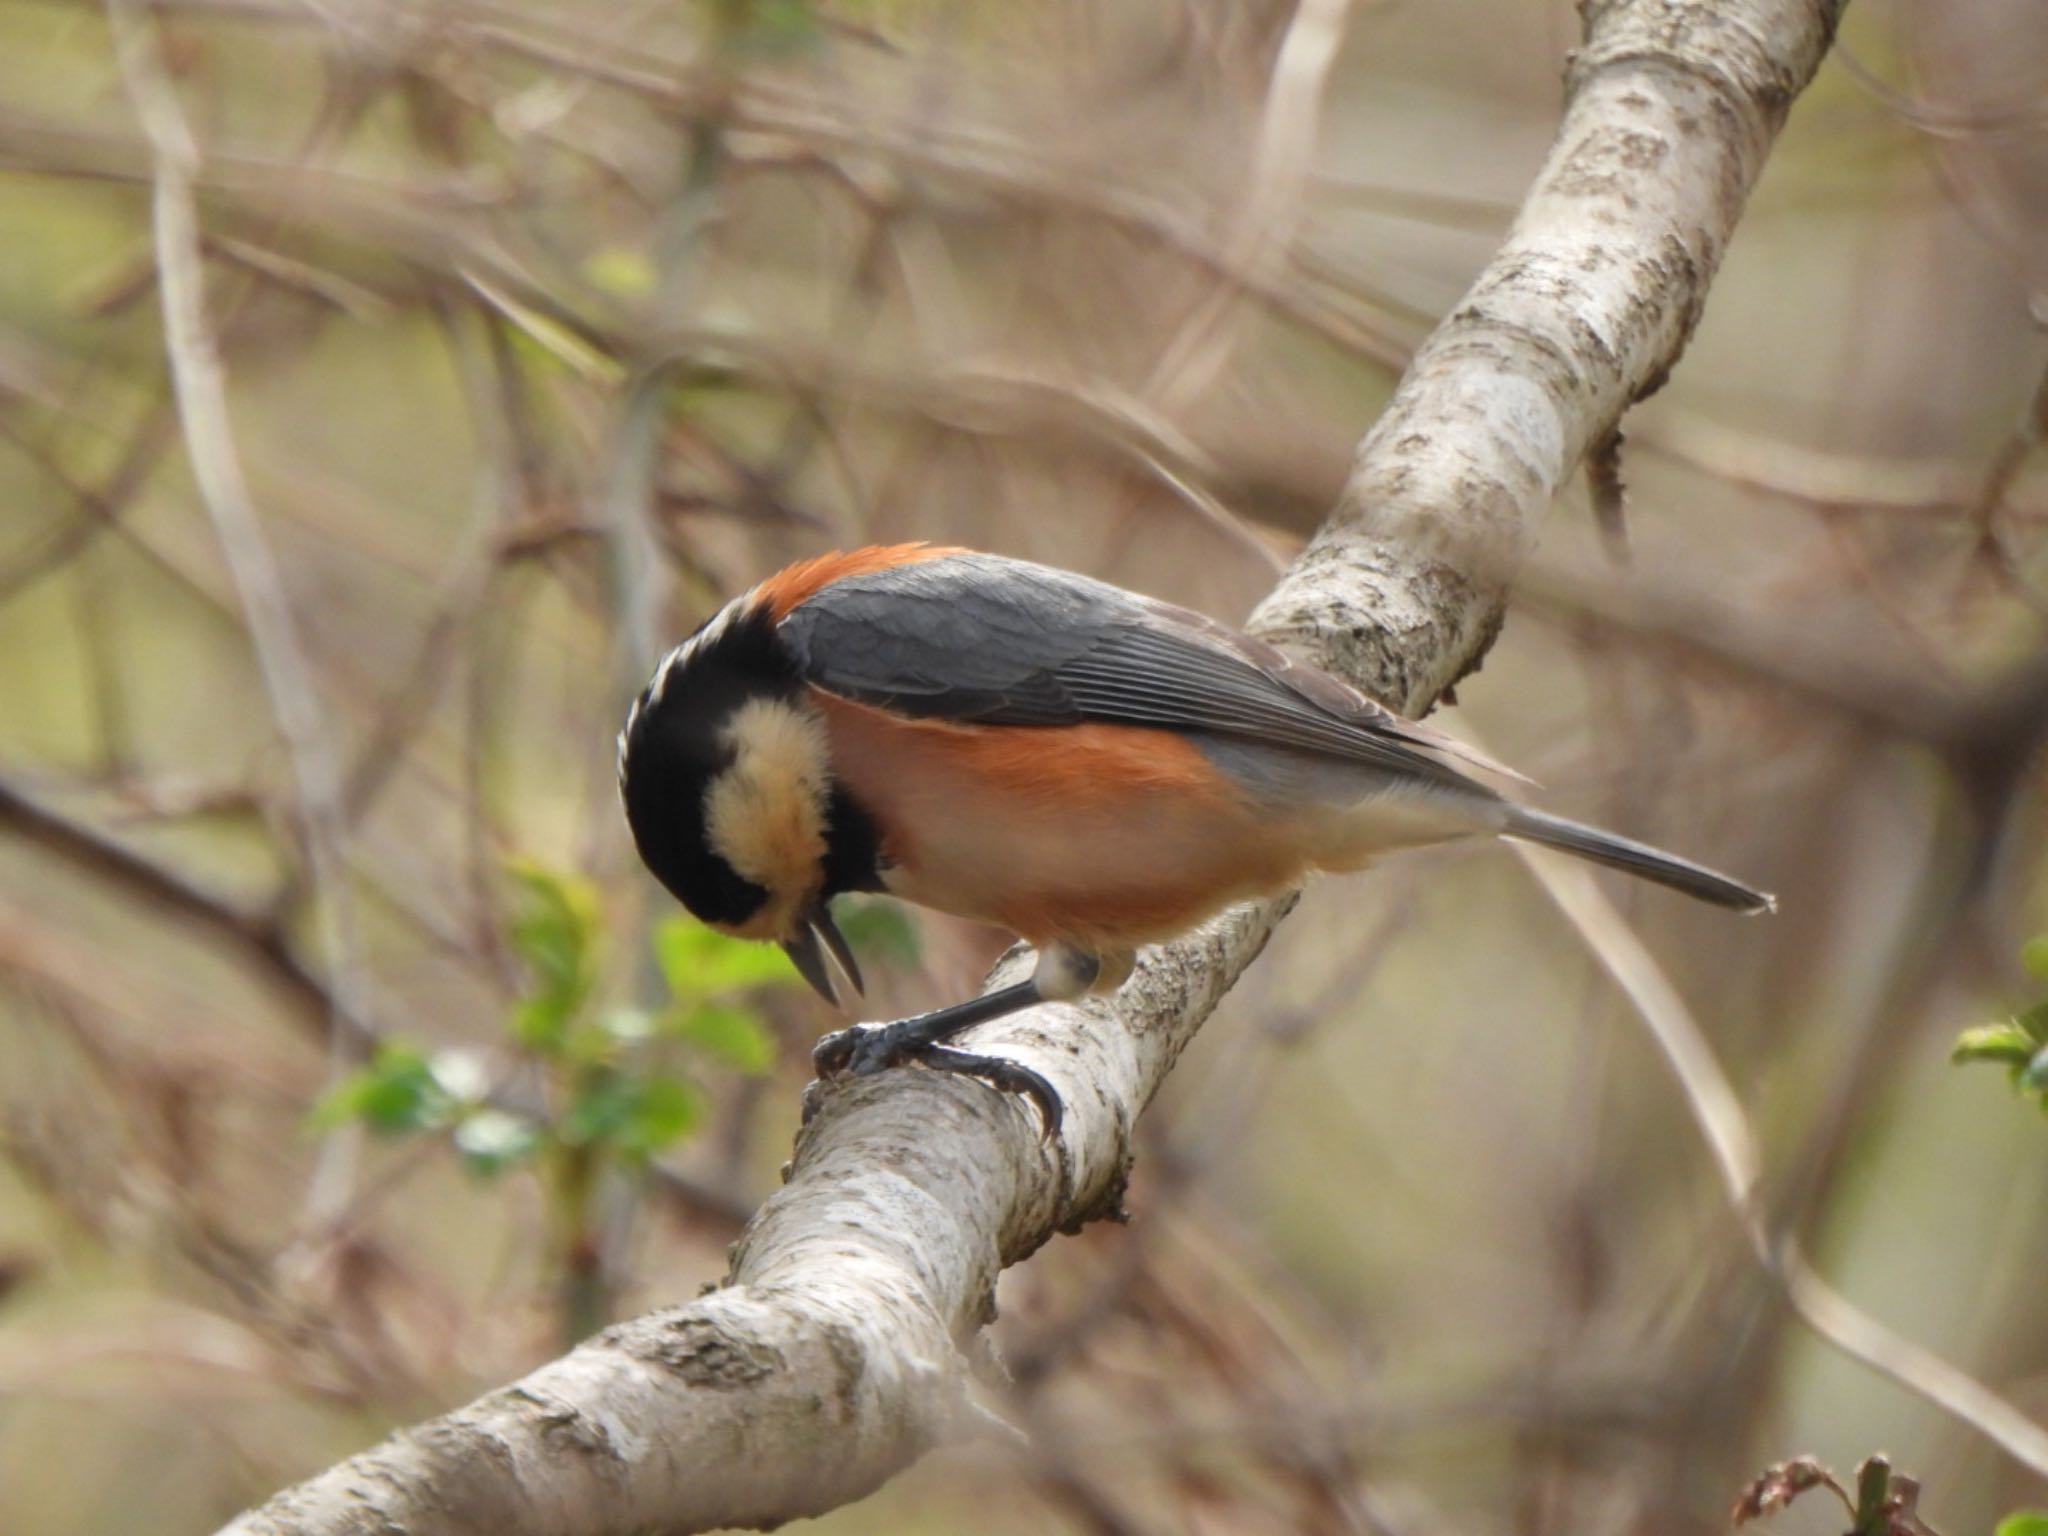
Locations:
{"points": [[839, 1351]]}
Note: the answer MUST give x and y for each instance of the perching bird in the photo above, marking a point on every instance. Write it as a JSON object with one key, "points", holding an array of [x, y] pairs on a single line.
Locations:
{"points": [[1090, 769]]}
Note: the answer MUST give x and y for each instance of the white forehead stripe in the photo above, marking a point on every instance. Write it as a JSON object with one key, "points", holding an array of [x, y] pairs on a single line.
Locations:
{"points": [[680, 656], [710, 634], [666, 665]]}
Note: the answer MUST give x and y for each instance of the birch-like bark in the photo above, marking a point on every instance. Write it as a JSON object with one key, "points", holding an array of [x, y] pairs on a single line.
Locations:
{"points": [[839, 1351]]}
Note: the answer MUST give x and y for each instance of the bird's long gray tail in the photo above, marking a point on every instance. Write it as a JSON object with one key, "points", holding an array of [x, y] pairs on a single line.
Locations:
{"points": [[1636, 859]]}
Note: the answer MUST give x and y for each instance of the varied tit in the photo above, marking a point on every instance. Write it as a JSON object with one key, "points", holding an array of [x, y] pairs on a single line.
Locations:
{"points": [[1088, 768]]}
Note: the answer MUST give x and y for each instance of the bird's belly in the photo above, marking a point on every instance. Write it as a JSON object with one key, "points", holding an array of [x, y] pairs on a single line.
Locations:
{"points": [[1094, 884], [1103, 836]]}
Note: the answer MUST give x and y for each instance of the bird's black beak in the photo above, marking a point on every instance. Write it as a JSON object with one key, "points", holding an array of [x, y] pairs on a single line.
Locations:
{"points": [[817, 937]]}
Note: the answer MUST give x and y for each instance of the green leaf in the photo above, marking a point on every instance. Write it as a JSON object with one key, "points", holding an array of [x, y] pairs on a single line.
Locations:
{"points": [[637, 1115], [621, 271], [556, 929], [667, 1110], [337, 1106], [2033, 1077], [882, 929], [2034, 956], [2024, 1522], [2034, 1021], [774, 27], [600, 1110], [492, 1141], [700, 962], [541, 1023], [2007, 1043], [395, 1094], [731, 1035]]}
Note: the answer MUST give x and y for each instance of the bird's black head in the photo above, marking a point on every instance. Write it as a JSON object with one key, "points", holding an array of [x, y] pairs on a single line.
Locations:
{"points": [[727, 784]]}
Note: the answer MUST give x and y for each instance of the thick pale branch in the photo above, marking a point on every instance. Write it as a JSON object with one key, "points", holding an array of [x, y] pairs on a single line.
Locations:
{"points": [[836, 1354]]}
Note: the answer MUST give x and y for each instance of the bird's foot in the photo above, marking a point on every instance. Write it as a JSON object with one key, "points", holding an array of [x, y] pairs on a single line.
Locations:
{"points": [[865, 1049]]}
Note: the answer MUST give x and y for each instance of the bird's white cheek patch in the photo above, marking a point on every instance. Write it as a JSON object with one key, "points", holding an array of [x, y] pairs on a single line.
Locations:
{"points": [[766, 813]]}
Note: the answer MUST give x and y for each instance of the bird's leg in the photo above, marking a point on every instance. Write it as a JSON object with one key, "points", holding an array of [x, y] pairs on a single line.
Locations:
{"points": [[866, 1048], [869, 1048]]}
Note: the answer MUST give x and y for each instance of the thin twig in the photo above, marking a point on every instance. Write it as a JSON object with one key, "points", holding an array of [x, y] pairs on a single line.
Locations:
{"points": [[200, 387], [99, 509], [464, 587], [1726, 1128], [28, 816], [1263, 223]]}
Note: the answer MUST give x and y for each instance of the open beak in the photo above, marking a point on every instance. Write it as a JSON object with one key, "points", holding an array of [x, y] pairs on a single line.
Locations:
{"points": [[818, 938]]}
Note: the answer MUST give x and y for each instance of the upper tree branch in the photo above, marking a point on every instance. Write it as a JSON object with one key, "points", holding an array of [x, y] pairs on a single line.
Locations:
{"points": [[835, 1355]]}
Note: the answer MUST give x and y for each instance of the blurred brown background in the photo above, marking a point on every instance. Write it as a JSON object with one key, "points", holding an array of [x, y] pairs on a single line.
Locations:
{"points": [[546, 328]]}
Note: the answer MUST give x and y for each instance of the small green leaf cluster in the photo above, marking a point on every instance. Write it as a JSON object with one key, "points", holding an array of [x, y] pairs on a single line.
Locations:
{"points": [[404, 1089], [618, 1081], [2018, 1043]]}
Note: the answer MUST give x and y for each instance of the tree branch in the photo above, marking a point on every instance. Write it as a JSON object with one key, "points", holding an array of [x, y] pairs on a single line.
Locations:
{"points": [[838, 1351], [28, 816], [1738, 1158], [199, 385]]}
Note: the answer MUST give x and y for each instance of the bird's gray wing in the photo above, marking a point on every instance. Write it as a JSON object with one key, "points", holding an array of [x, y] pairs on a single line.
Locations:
{"points": [[983, 639]]}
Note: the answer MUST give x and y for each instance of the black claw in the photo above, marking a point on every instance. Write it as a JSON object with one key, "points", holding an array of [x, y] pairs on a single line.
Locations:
{"points": [[877, 1050], [834, 1053], [864, 1051], [1007, 1076]]}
